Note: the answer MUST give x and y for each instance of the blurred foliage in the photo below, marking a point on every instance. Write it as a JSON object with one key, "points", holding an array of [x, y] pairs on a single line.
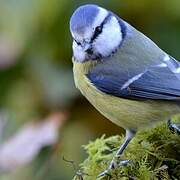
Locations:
{"points": [[36, 72], [154, 154]]}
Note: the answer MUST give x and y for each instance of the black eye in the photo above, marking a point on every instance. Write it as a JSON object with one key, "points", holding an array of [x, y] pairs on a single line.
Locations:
{"points": [[98, 29]]}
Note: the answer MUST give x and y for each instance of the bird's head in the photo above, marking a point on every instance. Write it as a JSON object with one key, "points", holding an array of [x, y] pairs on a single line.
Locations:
{"points": [[96, 33]]}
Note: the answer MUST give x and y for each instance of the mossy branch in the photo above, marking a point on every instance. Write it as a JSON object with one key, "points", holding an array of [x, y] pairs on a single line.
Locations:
{"points": [[155, 154]]}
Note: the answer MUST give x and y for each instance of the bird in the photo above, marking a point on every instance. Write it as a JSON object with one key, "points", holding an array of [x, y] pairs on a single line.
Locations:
{"points": [[123, 73]]}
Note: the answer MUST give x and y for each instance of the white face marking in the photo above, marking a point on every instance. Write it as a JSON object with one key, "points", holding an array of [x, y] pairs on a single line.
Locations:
{"points": [[78, 52], [130, 81], [110, 38], [100, 17]]}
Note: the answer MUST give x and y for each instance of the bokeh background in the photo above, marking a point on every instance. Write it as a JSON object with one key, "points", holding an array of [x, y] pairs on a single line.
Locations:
{"points": [[42, 116]]}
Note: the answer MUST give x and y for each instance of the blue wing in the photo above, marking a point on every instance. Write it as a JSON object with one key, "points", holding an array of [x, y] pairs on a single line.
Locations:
{"points": [[145, 82]]}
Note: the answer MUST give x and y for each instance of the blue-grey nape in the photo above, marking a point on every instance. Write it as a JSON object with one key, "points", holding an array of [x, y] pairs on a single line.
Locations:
{"points": [[83, 17]]}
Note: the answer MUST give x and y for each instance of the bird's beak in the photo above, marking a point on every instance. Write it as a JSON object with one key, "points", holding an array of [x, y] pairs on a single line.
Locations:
{"points": [[88, 48]]}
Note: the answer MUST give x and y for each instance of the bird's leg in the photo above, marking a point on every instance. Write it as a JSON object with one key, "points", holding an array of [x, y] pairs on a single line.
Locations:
{"points": [[175, 128], [116, 160]]}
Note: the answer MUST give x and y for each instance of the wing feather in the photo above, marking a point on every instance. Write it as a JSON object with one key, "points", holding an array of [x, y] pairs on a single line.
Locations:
{"points": [[140, 82]]}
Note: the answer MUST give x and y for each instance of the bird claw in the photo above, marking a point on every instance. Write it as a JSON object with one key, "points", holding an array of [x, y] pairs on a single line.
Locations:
{"points": [[174, 128], [114, 164], [124, 162], [104, 174], [116, 160]]}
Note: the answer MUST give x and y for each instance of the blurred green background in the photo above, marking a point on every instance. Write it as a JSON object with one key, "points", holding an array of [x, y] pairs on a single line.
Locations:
{"points": [[36, 81]]}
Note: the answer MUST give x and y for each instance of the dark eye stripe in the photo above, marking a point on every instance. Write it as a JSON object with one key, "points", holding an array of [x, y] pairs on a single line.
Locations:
{"points": [[99, 29], [78, 43]]}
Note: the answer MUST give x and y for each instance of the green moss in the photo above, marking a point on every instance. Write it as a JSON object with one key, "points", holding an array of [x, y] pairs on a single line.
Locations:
{"points": [[155, 154]]}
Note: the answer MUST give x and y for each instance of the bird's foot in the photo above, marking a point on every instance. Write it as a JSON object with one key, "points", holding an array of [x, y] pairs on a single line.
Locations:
{"points": [[115, 163], [175, 128]]}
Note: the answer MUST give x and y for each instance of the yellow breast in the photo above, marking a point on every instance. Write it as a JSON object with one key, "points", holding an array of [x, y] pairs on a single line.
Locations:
{"points": [[123, 112]]}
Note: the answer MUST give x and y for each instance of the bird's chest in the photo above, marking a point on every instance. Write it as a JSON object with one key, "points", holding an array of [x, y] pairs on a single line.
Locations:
{"points": [[86, 87], [109, 106], [83, 83]]}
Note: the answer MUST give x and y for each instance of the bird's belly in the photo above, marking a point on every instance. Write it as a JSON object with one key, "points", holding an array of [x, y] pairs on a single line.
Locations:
{"points": [[126, 113]]}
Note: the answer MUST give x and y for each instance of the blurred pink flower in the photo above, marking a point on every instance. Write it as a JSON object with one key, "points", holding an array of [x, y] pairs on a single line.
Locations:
{"points": [[25, 145]]}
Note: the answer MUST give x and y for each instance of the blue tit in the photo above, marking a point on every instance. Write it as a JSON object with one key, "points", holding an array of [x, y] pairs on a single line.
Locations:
{"points": [[122, 73]]}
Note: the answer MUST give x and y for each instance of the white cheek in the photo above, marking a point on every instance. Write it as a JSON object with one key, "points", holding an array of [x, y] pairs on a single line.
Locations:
{"points": [[78, 52], [110, 38]]}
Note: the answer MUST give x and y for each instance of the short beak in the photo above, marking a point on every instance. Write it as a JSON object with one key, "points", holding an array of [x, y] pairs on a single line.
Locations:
{"points": [[88, 48]]}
